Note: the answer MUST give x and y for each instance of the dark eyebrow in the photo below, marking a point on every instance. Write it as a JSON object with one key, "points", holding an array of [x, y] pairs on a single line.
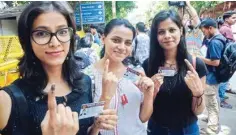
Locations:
{"points": [[41, 27], [168, 28], [116, 37], [47, 28], [129, 40], [120, 38], [62, 26]]}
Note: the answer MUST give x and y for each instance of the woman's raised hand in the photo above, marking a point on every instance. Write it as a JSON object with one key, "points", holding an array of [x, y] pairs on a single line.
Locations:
{"points": [[146, 85], [158, 80], [193, 81], [59, 120], [107, 120], [109, 82]]}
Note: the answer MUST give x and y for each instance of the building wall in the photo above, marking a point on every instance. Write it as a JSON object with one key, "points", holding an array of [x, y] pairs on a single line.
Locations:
{"points": [[218, 10], [8, 27]]}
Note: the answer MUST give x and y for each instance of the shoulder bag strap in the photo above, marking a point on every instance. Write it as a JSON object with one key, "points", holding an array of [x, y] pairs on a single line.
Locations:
{"points": [[22, 107]]}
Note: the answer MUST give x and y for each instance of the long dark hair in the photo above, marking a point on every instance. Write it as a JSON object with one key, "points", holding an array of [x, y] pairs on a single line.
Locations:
{"points": [[157, 57], [30, 67], [113, 23]]}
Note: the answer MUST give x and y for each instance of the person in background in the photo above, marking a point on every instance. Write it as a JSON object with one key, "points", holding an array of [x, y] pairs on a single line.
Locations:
{"points": [[79, 31], [100, 31], [149, 27], [141, 43], [94, 45], [77, 41], [226, 31], [220, 22], [194, 36], [49, 76], [234, 30], [132, 100], [86, 55], [212, 60], [229, 18], [93, 30], [178, 97]]}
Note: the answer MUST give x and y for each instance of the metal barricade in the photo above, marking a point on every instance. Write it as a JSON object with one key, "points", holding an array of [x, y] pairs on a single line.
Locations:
{"points": [[10, 52]]}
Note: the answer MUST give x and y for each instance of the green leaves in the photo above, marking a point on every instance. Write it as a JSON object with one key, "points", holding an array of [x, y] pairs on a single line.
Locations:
{"points": [[122, 9], [202, 5]]}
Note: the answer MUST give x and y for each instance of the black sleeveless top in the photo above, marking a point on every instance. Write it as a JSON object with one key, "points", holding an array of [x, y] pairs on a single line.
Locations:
{"points": [[37, 106], [173, 103]]}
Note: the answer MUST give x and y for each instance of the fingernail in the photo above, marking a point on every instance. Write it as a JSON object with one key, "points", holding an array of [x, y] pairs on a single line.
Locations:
{"points": [[53, 88]]}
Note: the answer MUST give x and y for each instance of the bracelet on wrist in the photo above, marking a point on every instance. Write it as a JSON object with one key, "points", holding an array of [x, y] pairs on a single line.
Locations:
{"points": [[199, 95], [106, 98]]}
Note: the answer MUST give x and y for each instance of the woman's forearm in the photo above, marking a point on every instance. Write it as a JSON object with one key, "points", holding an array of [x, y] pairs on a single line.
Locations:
{"points": [[198, 105], [146, 108], [107, 100]]}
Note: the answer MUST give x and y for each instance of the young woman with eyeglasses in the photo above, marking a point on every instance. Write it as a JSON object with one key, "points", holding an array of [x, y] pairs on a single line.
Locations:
{"points": [[52, 86]]}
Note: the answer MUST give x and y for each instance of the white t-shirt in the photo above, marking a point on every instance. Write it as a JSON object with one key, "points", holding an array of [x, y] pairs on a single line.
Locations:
{"points": [[143, 47], [129, 122], [233, 27]]}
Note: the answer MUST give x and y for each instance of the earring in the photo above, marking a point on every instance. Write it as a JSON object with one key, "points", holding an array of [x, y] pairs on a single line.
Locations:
{"points": [[67, 58]]}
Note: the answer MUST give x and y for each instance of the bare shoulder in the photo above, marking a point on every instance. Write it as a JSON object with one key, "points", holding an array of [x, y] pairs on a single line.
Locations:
{"points": [[5, 108]]}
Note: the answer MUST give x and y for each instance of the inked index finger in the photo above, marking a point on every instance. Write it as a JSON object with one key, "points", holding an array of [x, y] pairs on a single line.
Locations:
{"points": [[52, 105], [190, 66]]}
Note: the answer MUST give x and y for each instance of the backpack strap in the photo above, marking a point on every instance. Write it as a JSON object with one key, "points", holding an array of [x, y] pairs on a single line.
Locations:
{"points": [[22, 107], [216, 37]]}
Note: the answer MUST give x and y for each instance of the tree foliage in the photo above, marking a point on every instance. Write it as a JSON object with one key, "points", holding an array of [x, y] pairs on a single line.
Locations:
{"points": [[155, 7], [202, 5], [163, 5], [122, 9], [16, 3]]}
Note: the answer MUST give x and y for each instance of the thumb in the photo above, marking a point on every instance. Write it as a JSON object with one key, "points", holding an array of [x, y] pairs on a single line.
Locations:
{"points": [[106, 66], [142, 73], [45, 119]]}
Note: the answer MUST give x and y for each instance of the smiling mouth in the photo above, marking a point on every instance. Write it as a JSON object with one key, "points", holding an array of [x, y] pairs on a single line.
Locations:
{"points": [[117, 52], [55, 53], [168, 41]]}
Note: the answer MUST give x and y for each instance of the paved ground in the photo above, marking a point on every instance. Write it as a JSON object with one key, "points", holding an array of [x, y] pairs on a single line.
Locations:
{"points": [[227, 116]]}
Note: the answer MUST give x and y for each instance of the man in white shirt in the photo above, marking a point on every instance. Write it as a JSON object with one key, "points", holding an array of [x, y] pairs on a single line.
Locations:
{"points": [[141, 43]]}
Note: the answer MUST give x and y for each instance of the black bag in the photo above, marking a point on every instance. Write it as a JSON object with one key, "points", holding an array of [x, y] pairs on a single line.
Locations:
{"points": [[21, 106], [227, 65]]}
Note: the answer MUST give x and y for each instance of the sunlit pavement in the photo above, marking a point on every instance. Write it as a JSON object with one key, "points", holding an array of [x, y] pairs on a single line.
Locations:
{"points": [[227, 116]]}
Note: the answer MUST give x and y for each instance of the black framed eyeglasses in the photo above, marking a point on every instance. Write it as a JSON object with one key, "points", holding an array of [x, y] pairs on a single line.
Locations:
{"points": [[43, 37]]}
